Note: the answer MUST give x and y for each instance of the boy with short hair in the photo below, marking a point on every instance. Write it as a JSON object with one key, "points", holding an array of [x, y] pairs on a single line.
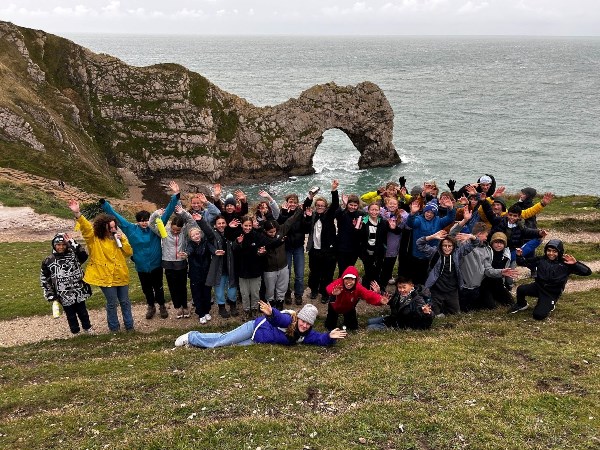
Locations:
{"points": [[409, 309], [61, 278], [553, 270]]}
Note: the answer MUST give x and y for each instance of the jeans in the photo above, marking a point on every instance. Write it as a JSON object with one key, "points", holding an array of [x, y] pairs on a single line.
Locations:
{"points": [[221, 288], [296, 255], [376, 323], [117, 295], [242, 335]]}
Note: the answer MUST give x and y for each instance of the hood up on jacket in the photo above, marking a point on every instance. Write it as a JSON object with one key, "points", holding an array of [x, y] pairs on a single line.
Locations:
{"points": [[558, 245], [351, 272]]}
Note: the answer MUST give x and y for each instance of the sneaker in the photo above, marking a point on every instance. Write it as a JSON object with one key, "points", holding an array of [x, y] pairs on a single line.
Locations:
{"points": [[517, 307], [182, 340], [202, 320], [150, 312], [207, 317], [391, 281], [288, 297], [313, 295], [179, 313], [324, 299], [233, 310], [89, 331], [298, 299], [440, 316], [163, 311], [186, 313]]}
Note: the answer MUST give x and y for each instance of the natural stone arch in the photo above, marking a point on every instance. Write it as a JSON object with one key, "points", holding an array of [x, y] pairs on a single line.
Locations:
{"points": [[327, 140], [167, 119]]}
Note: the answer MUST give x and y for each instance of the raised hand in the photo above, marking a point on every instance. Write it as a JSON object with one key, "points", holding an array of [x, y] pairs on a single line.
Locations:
{"points": [[337, 290], [74, 207], [239, 195], [240, 238], [308, 212], [202, 198], [174, 187], [375, 286], [415, 206], [451, 184], [384, 300], [467, 214], [265, 308], [265, 194], [439, 235], [547, 198], [235, 223], [338, 334], [334, 185], [178, 209], [261, 250], [569, 259], [345, 199], [463, 200], [426, 309], [519, 251], [402, 181], [217, 190], [499, 191], [197, 216]]}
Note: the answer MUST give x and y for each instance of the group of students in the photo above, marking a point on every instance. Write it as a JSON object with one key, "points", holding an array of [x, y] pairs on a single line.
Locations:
{"points": [[455, 251]]}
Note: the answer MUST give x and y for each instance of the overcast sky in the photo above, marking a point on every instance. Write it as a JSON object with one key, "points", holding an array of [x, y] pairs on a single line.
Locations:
{"points": [[309, 17]]}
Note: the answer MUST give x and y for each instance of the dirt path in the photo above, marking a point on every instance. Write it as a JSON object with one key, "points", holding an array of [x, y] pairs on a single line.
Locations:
{"points": [[16, 225]]}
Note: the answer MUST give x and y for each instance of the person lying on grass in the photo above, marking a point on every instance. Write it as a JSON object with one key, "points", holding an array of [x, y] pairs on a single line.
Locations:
{"points": [[275, 327]]}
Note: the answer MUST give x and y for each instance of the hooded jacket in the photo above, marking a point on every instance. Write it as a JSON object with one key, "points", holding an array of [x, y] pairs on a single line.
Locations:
{"points": [[276, 257], [328, 231], [174, 243], [422, 227], [407, 312], [107, 264], [147, 253], [347, 300], [61, 275], [272, 330], [454, 258], [552, 276]]}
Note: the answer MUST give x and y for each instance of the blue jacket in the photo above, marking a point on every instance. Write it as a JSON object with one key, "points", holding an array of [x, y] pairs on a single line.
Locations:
{"points": [[147, 253], [271, 330], [423, 227]]}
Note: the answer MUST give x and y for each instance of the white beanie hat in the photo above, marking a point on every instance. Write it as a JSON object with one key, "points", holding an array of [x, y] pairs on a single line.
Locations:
{"points": [[308, 313]]}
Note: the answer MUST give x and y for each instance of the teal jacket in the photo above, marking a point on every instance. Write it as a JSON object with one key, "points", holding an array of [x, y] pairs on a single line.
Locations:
{"points": [[147, 253]]}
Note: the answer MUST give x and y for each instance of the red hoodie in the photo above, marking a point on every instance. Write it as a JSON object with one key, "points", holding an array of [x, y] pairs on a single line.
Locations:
{"points": [[347, 299]]}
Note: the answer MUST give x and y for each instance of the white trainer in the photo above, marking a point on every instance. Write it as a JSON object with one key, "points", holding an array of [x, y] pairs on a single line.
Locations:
{"points": [[182, 340], [208, 317], [202, 320]]}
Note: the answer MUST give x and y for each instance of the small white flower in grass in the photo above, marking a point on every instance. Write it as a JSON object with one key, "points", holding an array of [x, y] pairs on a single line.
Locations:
{"points": [[401, 427], [313, 434], [192, 416]]}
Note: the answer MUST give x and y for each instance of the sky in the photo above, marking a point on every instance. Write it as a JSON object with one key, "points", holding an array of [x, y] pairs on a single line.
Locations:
{"points": [[309, 17]]}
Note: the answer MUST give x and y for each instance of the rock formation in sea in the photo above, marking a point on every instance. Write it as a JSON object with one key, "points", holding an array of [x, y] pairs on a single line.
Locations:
{"points": [[65, 106]]}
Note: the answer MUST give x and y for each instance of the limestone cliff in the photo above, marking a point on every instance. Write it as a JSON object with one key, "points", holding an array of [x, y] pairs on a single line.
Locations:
{"points": [[63, 104]]}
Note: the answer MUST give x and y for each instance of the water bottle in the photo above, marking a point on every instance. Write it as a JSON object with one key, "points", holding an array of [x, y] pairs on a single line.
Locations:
{"points": [[160, 226], [55, 309]]}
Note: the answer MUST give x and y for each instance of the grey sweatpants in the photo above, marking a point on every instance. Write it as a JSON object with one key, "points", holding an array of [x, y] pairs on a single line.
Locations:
{"points": [[276, 284], [249, 290]]}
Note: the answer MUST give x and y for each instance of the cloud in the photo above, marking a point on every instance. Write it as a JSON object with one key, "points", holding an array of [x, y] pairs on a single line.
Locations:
{"points": [[472, 7]]}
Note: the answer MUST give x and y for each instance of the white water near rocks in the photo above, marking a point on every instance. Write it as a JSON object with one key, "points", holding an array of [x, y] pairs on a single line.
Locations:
{"points": [[524, 109]]}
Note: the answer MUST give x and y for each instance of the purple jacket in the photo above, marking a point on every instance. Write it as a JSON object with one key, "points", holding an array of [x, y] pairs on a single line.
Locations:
{"points": [[271, 330]]}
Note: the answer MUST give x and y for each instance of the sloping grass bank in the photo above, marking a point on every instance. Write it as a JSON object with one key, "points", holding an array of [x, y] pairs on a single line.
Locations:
{"points": [[485, 381]]}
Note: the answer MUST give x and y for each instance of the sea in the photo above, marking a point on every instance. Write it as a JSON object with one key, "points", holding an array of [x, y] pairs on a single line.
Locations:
{"points": [[524, 109]]}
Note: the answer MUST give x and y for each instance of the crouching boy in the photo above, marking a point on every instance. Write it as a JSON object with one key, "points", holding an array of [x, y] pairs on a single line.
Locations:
{"points": [[61, 278], [408, 309], [553, 270], [347, 292]]}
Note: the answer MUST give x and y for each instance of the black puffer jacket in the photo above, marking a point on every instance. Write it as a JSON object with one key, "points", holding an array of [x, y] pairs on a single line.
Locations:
{"points": [[409, 310], [552, 276]]}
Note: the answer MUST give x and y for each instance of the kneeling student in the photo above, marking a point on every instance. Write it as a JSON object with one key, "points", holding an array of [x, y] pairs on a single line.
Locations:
{"points": [[553, 270], [348, 292], [408, 309]]}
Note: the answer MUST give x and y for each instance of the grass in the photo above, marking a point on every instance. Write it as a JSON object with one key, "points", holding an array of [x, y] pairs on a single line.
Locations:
{"points": [[12, 194], [483, 380]]}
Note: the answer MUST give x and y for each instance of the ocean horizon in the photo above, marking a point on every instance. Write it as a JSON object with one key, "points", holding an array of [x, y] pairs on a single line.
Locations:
{"points": [[524, 109]]}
